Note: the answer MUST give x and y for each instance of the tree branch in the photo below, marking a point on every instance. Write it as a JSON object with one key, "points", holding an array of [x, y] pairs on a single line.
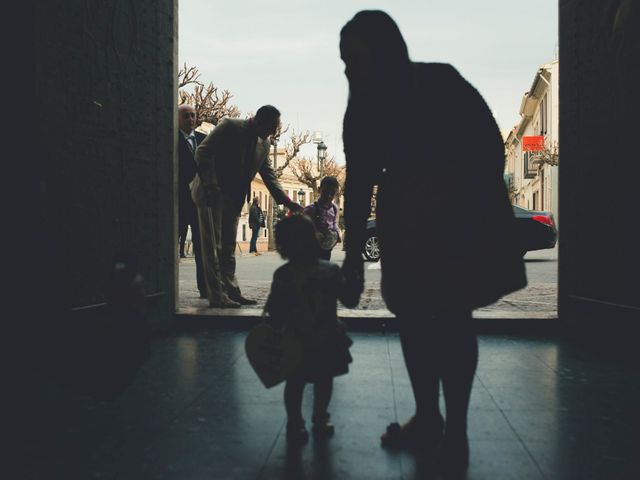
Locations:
{"points": [[210, 103]]}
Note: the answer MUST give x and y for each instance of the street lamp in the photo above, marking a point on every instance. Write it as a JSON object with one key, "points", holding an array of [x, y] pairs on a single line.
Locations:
{"points": [[322, 155], [272, 219], [301, 194]]}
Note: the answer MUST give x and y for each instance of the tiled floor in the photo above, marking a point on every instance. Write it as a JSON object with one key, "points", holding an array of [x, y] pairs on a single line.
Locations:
{"points": [[540, 408]]}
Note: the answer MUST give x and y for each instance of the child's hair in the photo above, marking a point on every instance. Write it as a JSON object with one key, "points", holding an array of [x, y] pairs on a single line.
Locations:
{"points": [[330, 181], [296, 238]]}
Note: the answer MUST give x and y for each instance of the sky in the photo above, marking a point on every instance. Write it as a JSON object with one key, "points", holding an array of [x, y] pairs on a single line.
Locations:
{"points": [[285, 52]]}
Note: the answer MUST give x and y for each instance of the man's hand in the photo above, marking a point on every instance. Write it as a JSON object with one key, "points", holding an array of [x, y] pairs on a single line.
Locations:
{"points": [[294, 207]]}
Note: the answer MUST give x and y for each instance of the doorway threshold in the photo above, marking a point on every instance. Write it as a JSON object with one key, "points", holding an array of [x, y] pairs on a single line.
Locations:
{"points": [[366, 320]]}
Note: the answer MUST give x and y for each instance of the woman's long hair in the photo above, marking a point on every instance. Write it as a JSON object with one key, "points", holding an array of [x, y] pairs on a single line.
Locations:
{"points": [[382, 35], [391, 69]]}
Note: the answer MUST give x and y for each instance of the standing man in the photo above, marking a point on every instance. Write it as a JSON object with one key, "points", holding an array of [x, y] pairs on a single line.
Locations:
{"points": [[256, 220], [188, 141], [228, 160]]}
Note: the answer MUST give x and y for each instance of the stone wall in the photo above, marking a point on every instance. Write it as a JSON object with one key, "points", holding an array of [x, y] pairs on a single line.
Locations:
{"points": [[105, 115], [599, 166]]}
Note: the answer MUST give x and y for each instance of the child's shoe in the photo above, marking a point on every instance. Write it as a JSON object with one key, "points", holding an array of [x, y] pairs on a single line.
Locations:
{"points": [[297, 434], [322, 425]]}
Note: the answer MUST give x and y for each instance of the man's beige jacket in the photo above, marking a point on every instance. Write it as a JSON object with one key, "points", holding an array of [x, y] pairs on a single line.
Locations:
{"points": [[229, 158]]}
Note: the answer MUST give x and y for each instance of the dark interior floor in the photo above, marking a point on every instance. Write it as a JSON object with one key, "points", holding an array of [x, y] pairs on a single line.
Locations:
{"points": [[540, 408]]}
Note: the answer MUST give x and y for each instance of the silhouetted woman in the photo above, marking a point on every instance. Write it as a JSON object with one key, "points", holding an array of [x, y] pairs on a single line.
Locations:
{"points": [[426, 137]]}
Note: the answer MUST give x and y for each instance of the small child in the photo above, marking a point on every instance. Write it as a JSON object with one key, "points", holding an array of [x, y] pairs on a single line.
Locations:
{"points": [[324, 214], [303, 299]]}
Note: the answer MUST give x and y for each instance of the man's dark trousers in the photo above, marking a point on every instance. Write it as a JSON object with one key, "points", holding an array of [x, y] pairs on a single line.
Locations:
{"points": [[188, 215]]}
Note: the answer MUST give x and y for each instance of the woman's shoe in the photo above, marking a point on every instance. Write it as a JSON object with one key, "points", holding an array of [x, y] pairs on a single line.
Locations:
{"points": [[413, 434], [453, 457]]}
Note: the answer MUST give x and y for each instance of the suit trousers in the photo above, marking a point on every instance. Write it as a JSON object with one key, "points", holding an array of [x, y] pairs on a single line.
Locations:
{"points": [[218, 229], [188, 215], [253, 243]]}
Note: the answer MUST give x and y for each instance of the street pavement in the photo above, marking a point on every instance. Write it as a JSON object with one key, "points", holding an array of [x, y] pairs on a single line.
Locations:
{"points": [[537, 301]]}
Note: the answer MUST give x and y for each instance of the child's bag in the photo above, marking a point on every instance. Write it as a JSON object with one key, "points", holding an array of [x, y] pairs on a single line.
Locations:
{"points": [[273, 352]]}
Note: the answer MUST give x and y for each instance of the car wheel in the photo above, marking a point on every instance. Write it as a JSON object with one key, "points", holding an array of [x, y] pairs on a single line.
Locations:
{"points": [[372, 249]]}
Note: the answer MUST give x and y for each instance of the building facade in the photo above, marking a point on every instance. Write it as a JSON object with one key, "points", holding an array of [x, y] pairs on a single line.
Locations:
{"points": [[532, 177]]}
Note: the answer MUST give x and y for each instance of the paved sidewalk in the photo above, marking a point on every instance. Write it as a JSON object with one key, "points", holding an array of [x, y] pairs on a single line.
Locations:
{"points": [[537, 301]]}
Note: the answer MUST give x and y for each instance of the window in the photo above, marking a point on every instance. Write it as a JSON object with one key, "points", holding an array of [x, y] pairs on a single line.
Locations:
{"points": [[528, 168], [543, 115]]}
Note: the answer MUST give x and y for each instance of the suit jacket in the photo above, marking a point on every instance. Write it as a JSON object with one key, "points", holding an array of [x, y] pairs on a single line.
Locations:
{"points": [[446, 166], [186, 169], [229, 158]]}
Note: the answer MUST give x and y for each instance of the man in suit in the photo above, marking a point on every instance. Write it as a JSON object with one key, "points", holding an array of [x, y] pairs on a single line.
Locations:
{"points": [[228, 159], [188, 140]]}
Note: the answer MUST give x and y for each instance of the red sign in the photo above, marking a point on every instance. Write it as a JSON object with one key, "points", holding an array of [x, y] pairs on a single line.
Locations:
{"points": [[533, 143]]}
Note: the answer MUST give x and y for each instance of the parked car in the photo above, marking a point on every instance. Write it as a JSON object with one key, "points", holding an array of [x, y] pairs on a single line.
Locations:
{"points": [[371, 246], [537, 231]]}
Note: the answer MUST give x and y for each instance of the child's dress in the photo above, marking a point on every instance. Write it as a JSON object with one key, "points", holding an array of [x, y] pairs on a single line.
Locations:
{"points": [[304, 297], [325, 219]]}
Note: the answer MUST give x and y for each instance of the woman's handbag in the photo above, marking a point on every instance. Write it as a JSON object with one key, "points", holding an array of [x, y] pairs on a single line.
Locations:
{"points": [[274, 353]]}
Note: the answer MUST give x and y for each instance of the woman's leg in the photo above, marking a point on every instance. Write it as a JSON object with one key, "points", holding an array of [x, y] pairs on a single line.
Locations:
{"points": [[459, 367], [420, 347], [454, 342]]}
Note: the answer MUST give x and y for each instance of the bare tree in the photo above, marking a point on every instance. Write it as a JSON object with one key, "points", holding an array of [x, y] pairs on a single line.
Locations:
{"points": [[549, 155], [210, 103], [188, 76], [305, 172], [292, 148]]}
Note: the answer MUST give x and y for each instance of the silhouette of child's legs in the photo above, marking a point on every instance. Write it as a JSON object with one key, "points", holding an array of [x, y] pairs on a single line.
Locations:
{"points": [[321, 397], [293, 391], [296, 432]]}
